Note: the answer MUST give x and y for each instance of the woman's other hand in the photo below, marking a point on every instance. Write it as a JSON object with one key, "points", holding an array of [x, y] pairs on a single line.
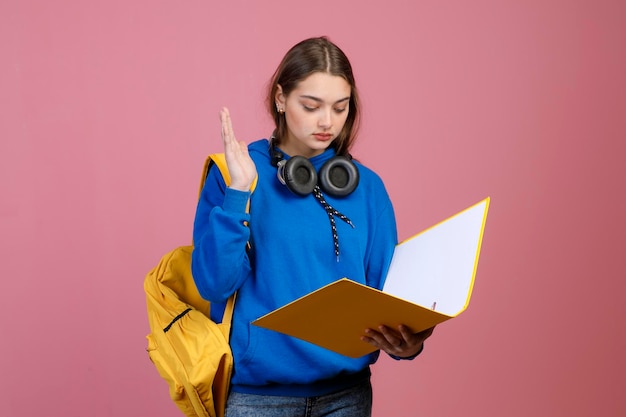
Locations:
{"points": [[400, 342], [240, 166]]}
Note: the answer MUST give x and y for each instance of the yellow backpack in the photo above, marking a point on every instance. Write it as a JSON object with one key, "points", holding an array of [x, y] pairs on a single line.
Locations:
{"points": [[189, 350]]}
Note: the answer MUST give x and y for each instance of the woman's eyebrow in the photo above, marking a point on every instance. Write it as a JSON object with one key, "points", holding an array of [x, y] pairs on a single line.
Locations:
{"points": [[319, 100]]}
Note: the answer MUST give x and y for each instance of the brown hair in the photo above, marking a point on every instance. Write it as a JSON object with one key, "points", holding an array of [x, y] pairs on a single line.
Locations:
{"points": [[305, 58]]}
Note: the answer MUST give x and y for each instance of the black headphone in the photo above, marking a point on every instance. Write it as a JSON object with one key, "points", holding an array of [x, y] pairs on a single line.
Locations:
{"points": [[338, 176]]}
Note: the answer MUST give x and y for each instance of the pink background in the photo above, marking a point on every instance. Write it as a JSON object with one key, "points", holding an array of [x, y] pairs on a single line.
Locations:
{"points": [[107, 110]]}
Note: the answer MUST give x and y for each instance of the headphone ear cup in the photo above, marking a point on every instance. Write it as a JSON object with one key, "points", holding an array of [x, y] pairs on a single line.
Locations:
{"points": [[299, 175], [339, 176]]}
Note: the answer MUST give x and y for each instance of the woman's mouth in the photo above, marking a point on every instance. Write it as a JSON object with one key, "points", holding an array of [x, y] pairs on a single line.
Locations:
{"points": [[324, 137]]}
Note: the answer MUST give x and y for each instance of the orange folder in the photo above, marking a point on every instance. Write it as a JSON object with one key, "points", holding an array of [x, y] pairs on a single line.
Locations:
{"points": [[430, 280]]}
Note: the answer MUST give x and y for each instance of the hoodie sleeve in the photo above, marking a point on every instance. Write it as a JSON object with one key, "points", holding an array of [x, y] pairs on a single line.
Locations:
{"points": [[383, 241], [219, 261]]}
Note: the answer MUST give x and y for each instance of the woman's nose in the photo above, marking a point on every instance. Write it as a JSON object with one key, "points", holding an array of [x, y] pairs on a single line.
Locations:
{"points": [[325, 120]]}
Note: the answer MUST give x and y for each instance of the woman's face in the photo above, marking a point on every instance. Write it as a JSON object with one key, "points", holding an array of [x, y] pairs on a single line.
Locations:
{"points": [[315, 112]]}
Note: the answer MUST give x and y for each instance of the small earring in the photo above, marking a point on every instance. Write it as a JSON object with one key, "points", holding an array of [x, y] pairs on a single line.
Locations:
{"points": [[279, 109]]}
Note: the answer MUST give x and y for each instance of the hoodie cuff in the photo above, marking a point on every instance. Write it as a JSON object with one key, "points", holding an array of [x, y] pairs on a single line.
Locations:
{"points": [[235, 200]]}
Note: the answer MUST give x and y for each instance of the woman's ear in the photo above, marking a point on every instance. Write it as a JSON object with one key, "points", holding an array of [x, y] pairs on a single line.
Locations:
{"points": [[279, 98]]}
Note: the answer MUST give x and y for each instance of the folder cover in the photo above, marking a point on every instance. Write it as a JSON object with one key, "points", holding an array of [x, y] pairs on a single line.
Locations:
{"points": [[430, 280]]}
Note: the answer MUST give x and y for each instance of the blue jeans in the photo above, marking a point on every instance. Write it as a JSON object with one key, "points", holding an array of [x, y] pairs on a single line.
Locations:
{"points": [[351, 402]]}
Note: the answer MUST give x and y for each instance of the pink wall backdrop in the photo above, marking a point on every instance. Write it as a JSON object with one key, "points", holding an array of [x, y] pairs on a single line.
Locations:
{"points": [[107, 110]]}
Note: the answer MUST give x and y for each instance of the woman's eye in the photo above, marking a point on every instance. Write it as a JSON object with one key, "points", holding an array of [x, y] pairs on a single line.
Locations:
{"points": [[308, 108], [340, 110]]}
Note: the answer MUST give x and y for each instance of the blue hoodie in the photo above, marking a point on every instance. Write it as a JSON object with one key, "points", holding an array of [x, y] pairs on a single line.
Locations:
{"points": [[291, 254]]}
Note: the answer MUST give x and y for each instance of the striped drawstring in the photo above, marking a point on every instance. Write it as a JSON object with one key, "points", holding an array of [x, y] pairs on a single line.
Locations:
{"points": [[332, 212]]}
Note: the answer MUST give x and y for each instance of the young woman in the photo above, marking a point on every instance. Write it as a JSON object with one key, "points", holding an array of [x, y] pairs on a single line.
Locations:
{"points": [[315, 216]]}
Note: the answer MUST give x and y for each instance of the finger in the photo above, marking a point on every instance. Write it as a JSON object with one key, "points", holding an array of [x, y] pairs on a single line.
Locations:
{"points": [[380, 341], [224, 112], [392, 337], [227, 127], [374, 338], [243, 148], [406, 333], [415, 338]]}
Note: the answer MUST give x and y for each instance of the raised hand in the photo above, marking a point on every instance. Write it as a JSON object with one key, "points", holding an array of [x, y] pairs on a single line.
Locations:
{"points": [[240, 165]]}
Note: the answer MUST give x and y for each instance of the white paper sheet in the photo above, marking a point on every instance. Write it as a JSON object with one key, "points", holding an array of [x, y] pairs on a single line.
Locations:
{"points": [[436, 268]]}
